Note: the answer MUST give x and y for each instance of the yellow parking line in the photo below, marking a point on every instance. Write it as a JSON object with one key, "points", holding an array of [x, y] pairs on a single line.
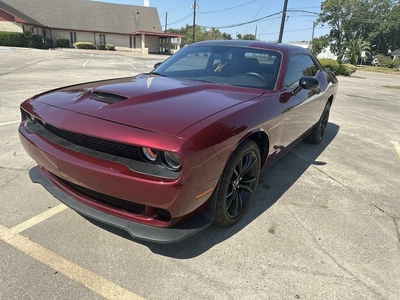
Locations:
{"points": [[396, 146], [90, 280], [38, 219]]}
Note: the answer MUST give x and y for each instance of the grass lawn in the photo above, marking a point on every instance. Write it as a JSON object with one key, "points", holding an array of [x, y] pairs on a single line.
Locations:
{"points": [[378, 70]]}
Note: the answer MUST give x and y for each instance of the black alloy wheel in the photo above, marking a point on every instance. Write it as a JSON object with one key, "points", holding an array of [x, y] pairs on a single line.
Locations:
{"points": [[316, 135], [238, 184]]}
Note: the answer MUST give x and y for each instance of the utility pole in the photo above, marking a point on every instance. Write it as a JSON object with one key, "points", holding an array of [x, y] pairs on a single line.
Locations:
{"points": [[255, 35], [283, 21], [312, 36], [166, 18], [194, 6]]}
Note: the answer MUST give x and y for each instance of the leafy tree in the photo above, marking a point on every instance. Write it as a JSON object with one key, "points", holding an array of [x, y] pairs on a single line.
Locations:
{"points": [[239, 36], [376, 21], [337, 13], [249, 36], [354, 49], [319, 44], [201, 34]]}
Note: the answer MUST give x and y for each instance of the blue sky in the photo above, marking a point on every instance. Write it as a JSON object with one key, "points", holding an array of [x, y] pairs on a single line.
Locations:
{"points": [[228, 13]]}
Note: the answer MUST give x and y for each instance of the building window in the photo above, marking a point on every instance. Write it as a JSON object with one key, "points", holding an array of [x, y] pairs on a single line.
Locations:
{"points": [[44, 33], [102, 39], [72, 36]]}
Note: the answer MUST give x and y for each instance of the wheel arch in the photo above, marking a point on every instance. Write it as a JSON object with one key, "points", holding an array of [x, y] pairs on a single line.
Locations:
{"points": [[261, 138]]}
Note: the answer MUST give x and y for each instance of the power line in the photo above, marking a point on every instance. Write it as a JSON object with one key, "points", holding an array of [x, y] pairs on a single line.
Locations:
{"points": [[244, 23], [180, 20], [228, 8]]}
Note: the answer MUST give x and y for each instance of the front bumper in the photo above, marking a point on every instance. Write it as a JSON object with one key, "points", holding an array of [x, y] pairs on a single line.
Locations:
{"points": [[136, 230]]}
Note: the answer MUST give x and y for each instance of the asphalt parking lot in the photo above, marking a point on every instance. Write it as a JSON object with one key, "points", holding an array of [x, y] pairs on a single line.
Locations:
{"points": [[325, 222]]}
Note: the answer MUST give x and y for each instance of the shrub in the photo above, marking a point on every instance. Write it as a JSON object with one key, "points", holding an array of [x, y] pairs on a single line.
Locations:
{"points": [[13, 39], [38, 41], [111, 47], [84, 45], [396, 63], [389, 64], [347, 69], [329, 63], [49, 42], [28, 39], [62, 43], [101, 47], [383, 60]]}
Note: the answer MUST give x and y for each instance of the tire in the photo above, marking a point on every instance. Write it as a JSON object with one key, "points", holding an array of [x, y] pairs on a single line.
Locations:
{"points": [[238, 184], [318, 132]]}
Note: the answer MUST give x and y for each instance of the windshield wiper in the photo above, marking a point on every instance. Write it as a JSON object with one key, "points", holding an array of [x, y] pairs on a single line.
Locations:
{"points": [[202, 80]]}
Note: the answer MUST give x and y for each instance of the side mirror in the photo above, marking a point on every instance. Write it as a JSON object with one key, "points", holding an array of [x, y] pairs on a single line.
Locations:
{"points": [[157, 65], [309, 83], [306, 83]]}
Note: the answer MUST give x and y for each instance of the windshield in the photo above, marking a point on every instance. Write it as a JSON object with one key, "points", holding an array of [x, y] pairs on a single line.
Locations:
{"points": [[237, 66]]}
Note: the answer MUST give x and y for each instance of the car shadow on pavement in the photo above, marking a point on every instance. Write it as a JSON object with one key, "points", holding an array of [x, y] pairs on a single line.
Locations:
{"points": [[273, 183]]}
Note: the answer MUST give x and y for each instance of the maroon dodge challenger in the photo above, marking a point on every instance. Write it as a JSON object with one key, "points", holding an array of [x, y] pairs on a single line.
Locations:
{"points": [[165, 154]]}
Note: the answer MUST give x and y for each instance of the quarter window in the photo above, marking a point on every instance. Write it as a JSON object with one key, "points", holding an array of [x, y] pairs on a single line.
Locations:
{"points": [[299, 65]]}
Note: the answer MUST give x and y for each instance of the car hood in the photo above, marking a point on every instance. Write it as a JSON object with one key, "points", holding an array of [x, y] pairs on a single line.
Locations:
{"points": [[150, 102]]}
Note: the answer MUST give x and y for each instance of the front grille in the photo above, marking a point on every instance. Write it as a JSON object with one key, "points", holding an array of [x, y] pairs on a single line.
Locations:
{"points": [[107, 199], [98, 144]]}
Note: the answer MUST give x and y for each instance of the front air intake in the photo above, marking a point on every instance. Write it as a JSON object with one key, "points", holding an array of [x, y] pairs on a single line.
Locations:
{"points": [[107, 97]]}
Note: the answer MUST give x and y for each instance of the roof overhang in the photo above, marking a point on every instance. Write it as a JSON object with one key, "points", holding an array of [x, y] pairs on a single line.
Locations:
{"points": [[159, 34]]}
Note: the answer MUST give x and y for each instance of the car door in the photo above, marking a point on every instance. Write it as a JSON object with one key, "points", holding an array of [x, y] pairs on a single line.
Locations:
{"points": [[301, 107]]}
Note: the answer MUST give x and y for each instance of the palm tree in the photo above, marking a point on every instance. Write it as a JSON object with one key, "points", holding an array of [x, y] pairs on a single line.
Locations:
{"points": [[354, 49]]}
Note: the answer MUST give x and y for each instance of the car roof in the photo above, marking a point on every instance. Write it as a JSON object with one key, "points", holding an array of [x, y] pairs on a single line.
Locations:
{"points": [[281, 47]]}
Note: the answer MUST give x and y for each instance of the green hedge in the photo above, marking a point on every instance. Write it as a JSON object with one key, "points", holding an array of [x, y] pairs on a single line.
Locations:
{"points": [[111, 47], [27, 39], [62, 43], [337, 68], [101, 47], [13, 39], [84, 45], [331, 64], [37, 41], [347, 69]]}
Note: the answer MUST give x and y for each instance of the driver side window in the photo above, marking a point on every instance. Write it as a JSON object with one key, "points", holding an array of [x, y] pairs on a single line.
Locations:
{"points": [[299, 65]]}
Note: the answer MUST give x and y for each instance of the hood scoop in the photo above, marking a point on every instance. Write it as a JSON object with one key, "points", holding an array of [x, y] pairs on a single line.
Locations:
{"points": [[107, 97]]}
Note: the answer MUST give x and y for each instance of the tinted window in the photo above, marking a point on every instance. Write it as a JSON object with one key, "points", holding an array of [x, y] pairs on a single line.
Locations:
{"points": [[299, 65]]}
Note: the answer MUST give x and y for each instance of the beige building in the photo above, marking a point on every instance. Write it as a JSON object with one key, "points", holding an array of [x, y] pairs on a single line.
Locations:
{"points": [[126, 26]]}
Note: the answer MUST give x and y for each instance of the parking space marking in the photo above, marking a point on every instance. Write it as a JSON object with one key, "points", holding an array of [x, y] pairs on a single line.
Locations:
{"points": [[85, 63], [38, 219], [90, 280], [133, 66], [396, 146], [11, 122]]}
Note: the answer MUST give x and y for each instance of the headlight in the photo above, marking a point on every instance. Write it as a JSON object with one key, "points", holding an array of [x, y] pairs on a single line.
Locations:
{"points": [[150, 154], [172, 161]]}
